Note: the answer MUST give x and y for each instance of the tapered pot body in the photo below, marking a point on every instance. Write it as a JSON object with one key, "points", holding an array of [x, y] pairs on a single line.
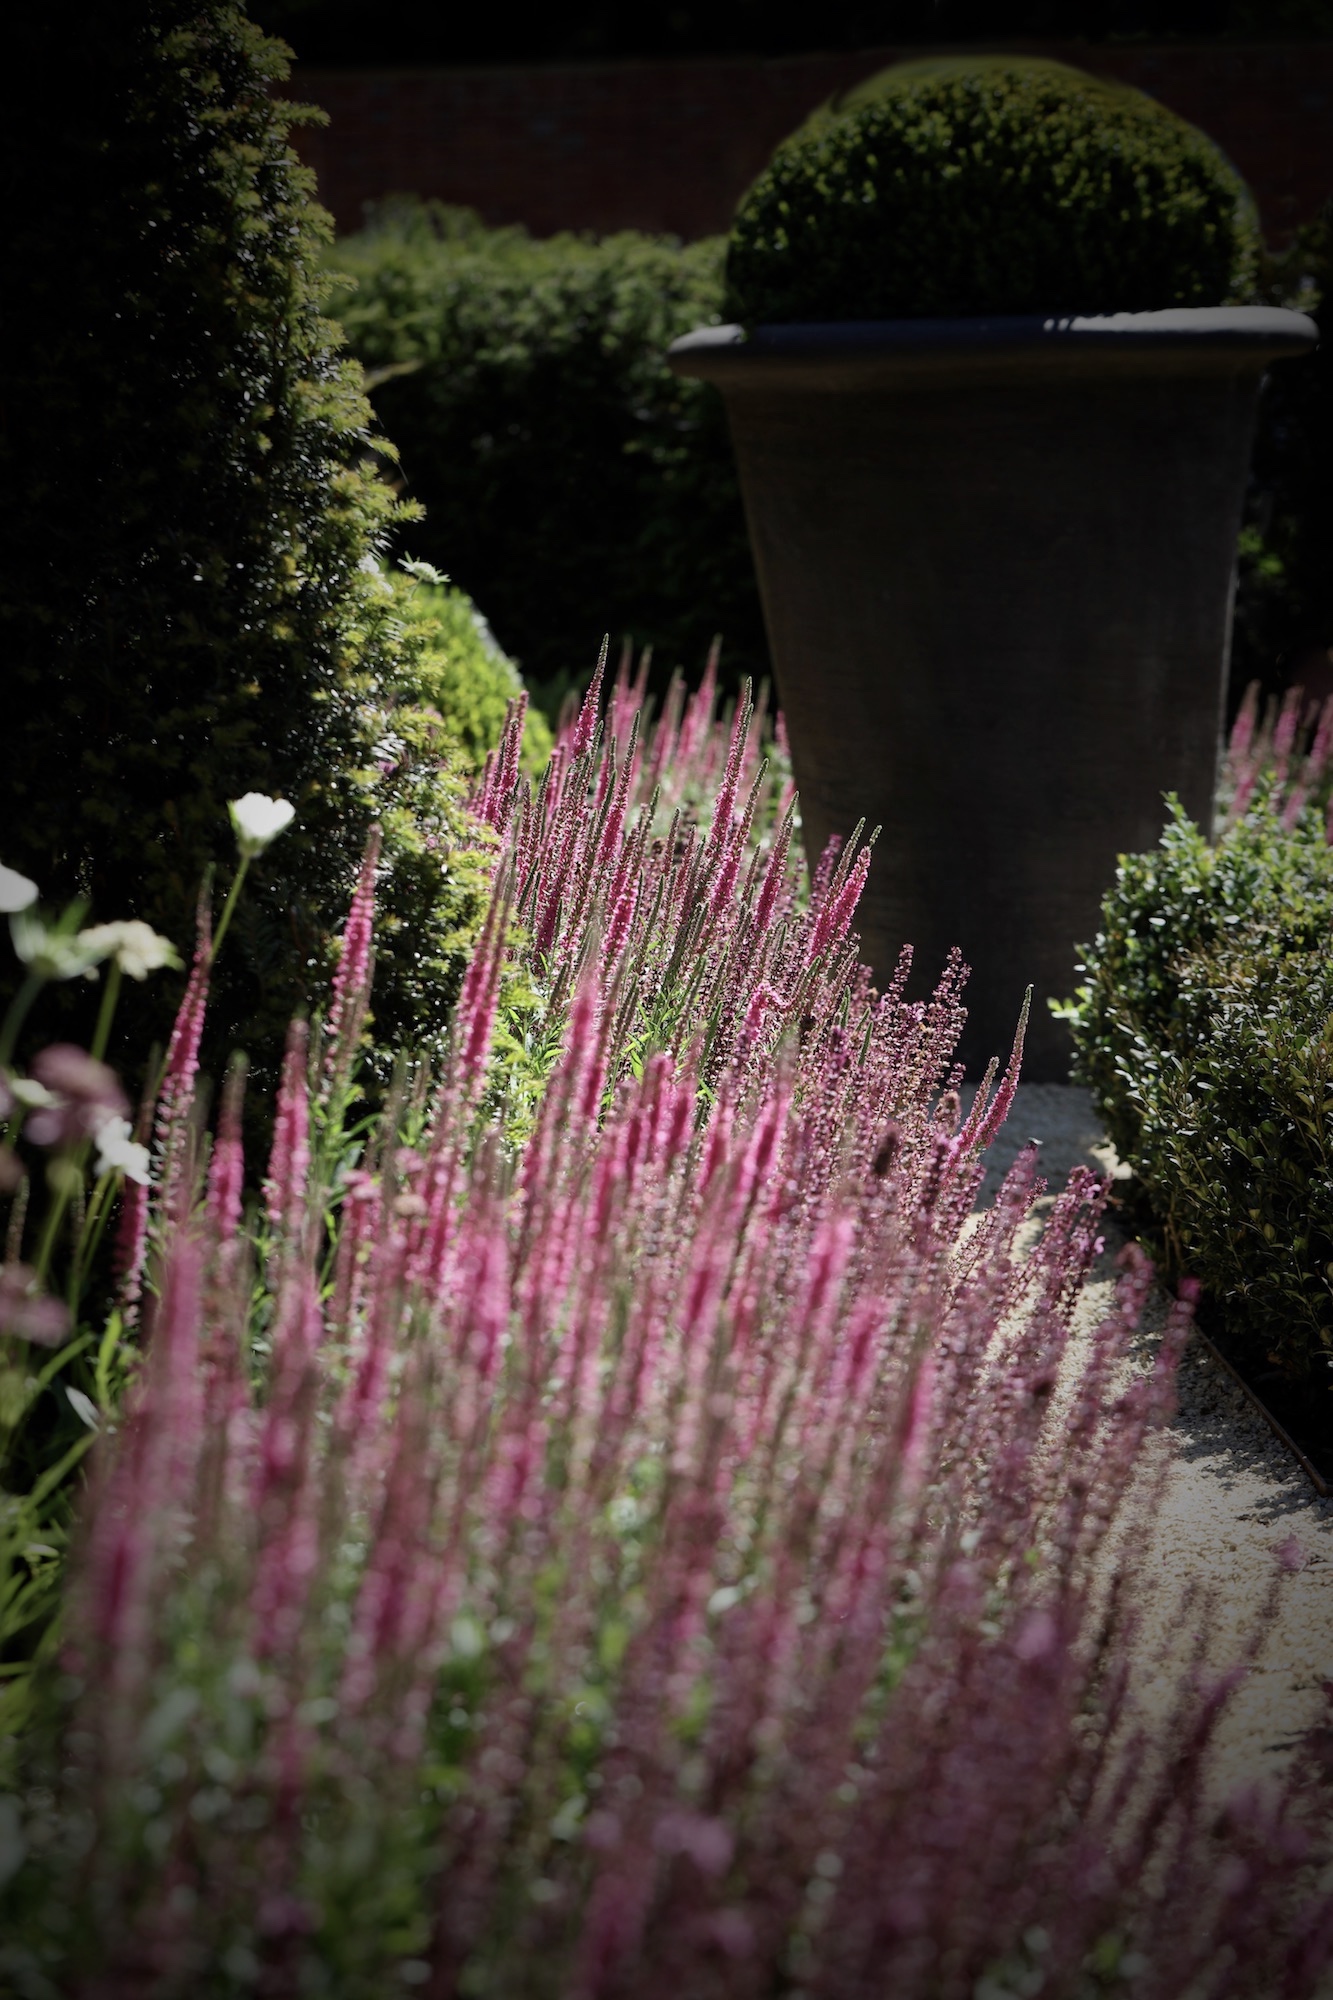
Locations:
{"points": [[996, 561]]}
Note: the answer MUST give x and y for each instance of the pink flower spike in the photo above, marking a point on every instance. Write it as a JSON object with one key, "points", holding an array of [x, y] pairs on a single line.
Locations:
{"points": [[289, 1161], [176, 1094], [1284, 735], [226, 1174], [131, 1249], [474, 1016], [1004, 1096], [585, 729], [351, 982]]}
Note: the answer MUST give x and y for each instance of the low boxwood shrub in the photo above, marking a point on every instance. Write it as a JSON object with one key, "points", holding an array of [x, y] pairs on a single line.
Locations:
{"points": [[1204, 1028], [1001, 184], [571, 484], [451, 662]]}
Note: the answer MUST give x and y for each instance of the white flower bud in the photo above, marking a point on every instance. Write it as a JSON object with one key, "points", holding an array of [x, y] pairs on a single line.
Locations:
{"points": [[258, 820]]}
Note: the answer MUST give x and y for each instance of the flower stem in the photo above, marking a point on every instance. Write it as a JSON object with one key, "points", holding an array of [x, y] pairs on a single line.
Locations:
{"points": [[230, 903], [14, 1019], [74, 1165], [110, 995], [89, 1236]]}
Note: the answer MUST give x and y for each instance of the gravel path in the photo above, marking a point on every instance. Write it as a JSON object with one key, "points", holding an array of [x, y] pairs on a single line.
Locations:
{"points": [[1233, 1495]]}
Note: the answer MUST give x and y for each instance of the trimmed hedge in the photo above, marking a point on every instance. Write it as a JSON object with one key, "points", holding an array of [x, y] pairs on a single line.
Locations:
{"points": [[1002, 184], [571, 484], [1204, 1029]]}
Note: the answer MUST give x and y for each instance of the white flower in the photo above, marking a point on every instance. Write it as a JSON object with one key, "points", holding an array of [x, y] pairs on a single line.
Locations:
{"points": [[53, 954], [16, 891], [135, 946], [258, 820], [117, 1152]]}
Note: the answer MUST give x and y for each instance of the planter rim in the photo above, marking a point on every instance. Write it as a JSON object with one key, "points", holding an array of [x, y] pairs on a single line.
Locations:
{"points": [[1232, 339]]}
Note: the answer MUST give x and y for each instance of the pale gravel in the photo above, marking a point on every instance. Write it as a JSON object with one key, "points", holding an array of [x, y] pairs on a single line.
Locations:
{"points": [[1232, 1496]]}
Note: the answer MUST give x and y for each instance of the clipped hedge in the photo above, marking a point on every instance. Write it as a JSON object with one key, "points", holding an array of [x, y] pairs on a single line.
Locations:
{"points": [[571, 484], [1001, 184], [1204, 1029]]}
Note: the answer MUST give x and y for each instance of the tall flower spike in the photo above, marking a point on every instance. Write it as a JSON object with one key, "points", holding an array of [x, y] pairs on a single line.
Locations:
{"points": [[226, 1174], [585, 729], [289, 1161], [131, 1248], [1004, 1096], [180, 1072], [474, 1016], [351, 982]]}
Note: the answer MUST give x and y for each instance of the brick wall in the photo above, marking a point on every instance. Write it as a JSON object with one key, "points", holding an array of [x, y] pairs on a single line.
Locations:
{"points": [[671, 145]]}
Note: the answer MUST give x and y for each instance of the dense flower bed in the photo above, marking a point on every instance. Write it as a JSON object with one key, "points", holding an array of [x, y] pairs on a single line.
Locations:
{"points": [[617, 1523]]}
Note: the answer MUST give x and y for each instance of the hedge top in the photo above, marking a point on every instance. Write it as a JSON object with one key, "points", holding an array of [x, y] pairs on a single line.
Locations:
{"points": [[989, 184]]}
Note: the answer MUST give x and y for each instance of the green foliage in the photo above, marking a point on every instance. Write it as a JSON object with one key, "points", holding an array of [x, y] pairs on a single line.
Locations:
{"points": [[1205, 1031], [1284, 597], [571, 483], [436, 709], [998, 184], [450, 663], [428, 719], [188, 605]]}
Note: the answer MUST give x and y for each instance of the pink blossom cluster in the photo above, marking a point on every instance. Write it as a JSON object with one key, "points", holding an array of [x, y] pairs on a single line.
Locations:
{"points": [[690, 1556], [1291, 746]]}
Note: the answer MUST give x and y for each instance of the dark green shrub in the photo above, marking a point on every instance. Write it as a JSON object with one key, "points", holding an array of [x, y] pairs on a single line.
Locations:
{"points": [[1205, 1031], [189, 609], [1000, 184], [572, 485], [451, 664], [1284, 597]]}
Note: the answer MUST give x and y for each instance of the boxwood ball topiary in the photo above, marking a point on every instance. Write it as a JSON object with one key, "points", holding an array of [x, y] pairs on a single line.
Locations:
{"points": [[974, 185]]}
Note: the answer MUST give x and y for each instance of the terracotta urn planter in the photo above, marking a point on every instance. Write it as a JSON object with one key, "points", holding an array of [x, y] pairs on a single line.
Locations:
{"points": [[996, 558]]}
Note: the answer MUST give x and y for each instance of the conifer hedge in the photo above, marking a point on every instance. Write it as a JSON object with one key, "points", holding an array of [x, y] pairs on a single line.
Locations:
{"points": [[189, 608]]}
